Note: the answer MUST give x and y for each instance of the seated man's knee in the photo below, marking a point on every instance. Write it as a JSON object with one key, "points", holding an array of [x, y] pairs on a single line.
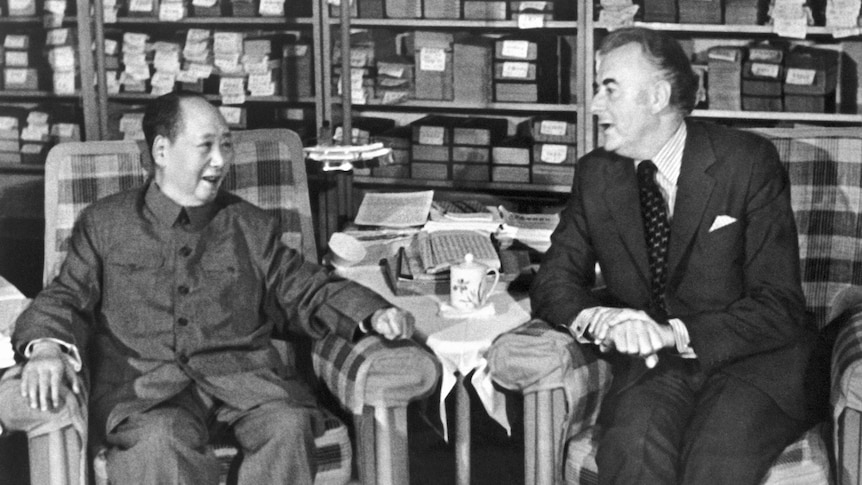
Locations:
{"points": [[17, 415], [159, 430], [277, 424]]}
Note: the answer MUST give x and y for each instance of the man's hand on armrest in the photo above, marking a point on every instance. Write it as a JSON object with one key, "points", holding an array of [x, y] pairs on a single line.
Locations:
{"points": [[43, 375], [391, 323]]}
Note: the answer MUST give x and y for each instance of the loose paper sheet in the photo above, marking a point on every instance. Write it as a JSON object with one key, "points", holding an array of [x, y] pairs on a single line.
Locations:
{"points": [[402, 209]]}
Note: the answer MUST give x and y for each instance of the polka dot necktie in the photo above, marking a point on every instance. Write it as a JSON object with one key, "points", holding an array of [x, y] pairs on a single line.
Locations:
{"points": [[657, 231]]}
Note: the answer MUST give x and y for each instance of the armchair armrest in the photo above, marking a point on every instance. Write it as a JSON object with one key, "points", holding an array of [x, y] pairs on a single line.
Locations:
{"points": [[374, 371], [563, 384], [375, 379], [537, 357]]}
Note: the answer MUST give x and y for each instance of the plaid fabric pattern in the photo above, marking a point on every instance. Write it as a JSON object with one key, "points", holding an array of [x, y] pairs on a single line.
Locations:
{"points": [[346, 367], [825, 169]]}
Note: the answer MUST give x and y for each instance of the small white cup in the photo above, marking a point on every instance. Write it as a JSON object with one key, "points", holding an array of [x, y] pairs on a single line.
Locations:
{"points": [[467, 280]]}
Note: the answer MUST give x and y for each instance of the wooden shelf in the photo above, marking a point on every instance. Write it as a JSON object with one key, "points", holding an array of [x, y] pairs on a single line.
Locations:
{"points": [[29, 94], [454, 24], [778, 116], [723, 29], [244, 21], [465, 185], [457, 106], [6, 167], [214, 97]]}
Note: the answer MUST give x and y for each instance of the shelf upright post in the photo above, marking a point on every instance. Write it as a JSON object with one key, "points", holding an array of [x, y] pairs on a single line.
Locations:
{"points": [[101, 77], [322, 52], [582, 89], [589, 75], [345, 179], [92, 129]]}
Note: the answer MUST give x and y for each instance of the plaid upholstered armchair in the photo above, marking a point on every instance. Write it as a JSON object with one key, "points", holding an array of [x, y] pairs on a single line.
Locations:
{"points": [[563, 383], [368, 378]]}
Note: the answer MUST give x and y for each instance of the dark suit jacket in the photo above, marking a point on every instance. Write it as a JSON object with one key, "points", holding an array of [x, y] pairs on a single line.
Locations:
{"points": [[737, 288]]}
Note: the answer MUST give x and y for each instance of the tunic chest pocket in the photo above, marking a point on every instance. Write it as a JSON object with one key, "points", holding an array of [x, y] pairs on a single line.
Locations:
{"points": [[130, 276]]}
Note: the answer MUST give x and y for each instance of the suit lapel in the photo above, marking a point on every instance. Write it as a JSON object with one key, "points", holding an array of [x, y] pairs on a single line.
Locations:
{"points": [[621, 198], [694, 188]]}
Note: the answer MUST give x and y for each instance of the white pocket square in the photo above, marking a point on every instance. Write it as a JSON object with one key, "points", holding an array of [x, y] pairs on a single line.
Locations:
{"points": [[721, 221]]}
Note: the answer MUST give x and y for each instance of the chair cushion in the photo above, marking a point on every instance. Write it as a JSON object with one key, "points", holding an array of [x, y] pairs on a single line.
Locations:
{"points": [[804, 462], [333, 453]]}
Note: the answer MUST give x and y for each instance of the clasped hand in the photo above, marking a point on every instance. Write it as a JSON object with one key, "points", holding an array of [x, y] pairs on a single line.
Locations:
{"points": [[393, 323], [625, 330], [44, 376]]}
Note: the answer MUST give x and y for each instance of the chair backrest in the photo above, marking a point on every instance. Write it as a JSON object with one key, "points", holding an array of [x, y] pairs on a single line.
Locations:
{"points": [[825, 169], [268, 171]]}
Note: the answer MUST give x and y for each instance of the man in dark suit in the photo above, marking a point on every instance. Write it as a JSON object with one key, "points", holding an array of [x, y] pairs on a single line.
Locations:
{"points": [[704, 320], [174, 292]]}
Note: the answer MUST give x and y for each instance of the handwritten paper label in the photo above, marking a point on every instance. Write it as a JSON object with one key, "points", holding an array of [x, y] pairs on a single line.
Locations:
{"points": [[431, 135], [394, 97], [390, 70], [800, 77], [17, 58], [231, 85], [540, 6], [232, 115], [172, 11], [201, 71], [259, 82], [8, 123], [227, 42], [794, 28], [554, 153], [55, 6], [57, 36], [271, 8], [134, 40], [110, 15], [516, 70], [62, 58], [37, 118], [518, 49], [432, 59], [233, 99], [138, 72], [553, 128], [140, 5], [765, 70], [15, 76], [13, 41], [64, 82], [358, 58], [197, 35], [531, 20], [168, 61]]}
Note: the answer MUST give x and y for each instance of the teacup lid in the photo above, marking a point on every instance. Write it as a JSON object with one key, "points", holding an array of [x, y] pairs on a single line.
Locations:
{"points": [[469, 263]]}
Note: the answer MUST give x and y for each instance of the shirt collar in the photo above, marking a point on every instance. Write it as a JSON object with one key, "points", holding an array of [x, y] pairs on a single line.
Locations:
{"points": [[167, 211], [668, 160]]}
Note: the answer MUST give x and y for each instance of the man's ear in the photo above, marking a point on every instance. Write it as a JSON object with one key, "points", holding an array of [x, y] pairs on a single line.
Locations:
{"points": [[160, 145], [661, 95]]}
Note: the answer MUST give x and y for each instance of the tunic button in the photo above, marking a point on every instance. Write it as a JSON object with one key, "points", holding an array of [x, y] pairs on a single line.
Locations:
{"points": [[185, 251], [183, 322], [184, 359], [183, 289]]}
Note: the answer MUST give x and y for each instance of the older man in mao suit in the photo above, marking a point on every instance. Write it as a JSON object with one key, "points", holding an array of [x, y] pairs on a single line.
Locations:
{"points": [[709, 339]]}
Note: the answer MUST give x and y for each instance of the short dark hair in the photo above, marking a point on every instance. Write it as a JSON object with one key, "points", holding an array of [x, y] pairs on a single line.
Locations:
{"points": [[665, 53], [164, 116]]}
